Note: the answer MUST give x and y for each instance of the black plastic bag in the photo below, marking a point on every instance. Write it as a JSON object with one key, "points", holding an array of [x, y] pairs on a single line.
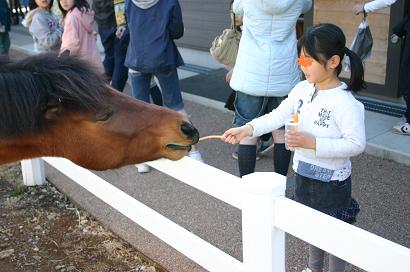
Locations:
{"points": [[362, 43]]}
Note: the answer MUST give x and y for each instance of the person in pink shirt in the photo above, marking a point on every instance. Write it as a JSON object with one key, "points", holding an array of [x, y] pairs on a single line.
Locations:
{"points": [[79, 36]]}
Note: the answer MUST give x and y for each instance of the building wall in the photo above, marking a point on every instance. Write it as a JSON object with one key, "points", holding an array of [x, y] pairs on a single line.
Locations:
{"points": [[203, 20], [340, 13]]}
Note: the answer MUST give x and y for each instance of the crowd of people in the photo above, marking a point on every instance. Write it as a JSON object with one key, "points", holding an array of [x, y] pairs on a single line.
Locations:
{"points": [[267, 86]]}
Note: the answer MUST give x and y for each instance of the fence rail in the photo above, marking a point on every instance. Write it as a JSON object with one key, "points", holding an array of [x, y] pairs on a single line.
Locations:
{"points": [[266, 216]]}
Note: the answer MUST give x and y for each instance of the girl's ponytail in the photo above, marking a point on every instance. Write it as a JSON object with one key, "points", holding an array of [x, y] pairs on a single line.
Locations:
{"points": [[356, 82]]}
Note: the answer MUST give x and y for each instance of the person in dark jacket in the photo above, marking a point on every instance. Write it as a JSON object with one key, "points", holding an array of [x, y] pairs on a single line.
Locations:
{"points": [[4, 27], [122, 35], [115, 49], [402, 30], [153, 27]]}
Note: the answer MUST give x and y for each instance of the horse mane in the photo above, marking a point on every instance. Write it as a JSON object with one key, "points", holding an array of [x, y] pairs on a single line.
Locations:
{"points": [[28, 86]]}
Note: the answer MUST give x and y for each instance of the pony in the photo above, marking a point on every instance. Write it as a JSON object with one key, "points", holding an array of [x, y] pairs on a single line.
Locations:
{"points": [[62, 107]]}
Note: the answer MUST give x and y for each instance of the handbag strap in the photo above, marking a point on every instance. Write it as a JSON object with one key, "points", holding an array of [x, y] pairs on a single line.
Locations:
{"points": [[233, 26]]}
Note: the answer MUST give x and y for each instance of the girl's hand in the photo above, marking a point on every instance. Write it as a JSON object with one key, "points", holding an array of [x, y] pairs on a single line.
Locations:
{"points": [[296, 138], [235, 135]]}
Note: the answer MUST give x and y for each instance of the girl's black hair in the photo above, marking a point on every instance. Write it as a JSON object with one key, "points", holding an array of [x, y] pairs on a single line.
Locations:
{"points": [[32, 4], [82, 6], [323, 41]]}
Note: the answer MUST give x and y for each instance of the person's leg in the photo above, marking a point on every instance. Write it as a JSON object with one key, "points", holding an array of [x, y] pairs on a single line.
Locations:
{"points": [[140, 84], [155, 92], [336, 264], [140, 89], [171, 91], [2, 44], [108, 37], [316, 257], [247, 108], [120, 72], [156, 95]]}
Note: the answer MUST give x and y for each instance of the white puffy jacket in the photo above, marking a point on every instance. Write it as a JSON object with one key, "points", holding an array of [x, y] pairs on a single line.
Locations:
{"points": [[266, 63]]}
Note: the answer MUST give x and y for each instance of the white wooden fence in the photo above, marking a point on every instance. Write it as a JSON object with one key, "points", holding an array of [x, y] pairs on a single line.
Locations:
{"points": [[266, 216]]}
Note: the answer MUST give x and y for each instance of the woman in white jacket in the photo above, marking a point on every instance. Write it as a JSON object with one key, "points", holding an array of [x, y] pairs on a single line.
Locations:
{"points": [[265, 70], [372, 6]]}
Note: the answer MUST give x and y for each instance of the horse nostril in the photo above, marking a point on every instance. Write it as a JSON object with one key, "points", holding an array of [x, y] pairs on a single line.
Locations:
{"points": [[189, 130]]}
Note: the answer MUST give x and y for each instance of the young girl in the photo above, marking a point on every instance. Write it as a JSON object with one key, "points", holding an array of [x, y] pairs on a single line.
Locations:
{"points": [[331, 129], [79, 37], [43, 26]]}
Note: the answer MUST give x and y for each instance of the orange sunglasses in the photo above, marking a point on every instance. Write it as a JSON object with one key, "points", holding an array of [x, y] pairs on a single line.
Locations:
{"points": [[305, 62]]}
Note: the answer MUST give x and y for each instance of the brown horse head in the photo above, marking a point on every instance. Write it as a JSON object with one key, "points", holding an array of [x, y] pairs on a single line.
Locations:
{"points": [[62, 107]]}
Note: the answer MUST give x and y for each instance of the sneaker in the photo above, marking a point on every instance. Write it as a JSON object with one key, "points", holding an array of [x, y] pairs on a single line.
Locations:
{"points": [[403, 129], [235, 155], [196, 155], [265, 146], [142, 168]]}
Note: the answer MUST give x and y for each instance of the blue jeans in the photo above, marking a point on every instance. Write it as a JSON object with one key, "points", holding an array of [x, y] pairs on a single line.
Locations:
{"points": [[249, 107], [169, 83], [115, 51]]}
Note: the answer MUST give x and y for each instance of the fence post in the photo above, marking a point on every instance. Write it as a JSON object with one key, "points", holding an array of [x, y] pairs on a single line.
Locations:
{"points": [[263, 243], [33, 172]]}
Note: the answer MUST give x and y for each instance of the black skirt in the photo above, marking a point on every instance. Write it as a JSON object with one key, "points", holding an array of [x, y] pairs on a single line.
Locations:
{"points": [[333, 198]]}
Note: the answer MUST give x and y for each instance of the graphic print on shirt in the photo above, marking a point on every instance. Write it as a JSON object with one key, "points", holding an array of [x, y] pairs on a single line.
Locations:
{"points": [[300, 103], [324, 118]]}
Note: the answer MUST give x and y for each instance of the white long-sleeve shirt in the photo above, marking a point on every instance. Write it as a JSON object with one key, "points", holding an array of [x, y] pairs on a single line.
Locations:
{"points": [[334, 117], [378, 4]]}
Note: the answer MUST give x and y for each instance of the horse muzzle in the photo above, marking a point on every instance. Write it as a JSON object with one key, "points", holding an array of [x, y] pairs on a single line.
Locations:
{"points": [[190, 131]]}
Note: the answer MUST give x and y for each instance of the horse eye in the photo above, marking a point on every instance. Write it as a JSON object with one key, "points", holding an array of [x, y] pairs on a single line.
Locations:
{"points": [[104, 116]]}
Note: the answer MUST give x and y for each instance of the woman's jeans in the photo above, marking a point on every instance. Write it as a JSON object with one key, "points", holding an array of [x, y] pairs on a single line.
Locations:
{"points": [[168, 82], [115, 51]]}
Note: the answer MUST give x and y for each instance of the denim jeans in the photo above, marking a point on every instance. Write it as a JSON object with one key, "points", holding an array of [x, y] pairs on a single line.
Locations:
{"points": [[249, 107], [169, 83], [115, 50]]}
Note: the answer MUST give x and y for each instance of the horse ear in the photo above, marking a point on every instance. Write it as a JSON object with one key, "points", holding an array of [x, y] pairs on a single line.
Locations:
{"points": [[53, 110]]}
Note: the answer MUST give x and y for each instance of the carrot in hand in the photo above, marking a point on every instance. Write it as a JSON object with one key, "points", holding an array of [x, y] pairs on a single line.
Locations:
{"points": [[295, 118]]}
